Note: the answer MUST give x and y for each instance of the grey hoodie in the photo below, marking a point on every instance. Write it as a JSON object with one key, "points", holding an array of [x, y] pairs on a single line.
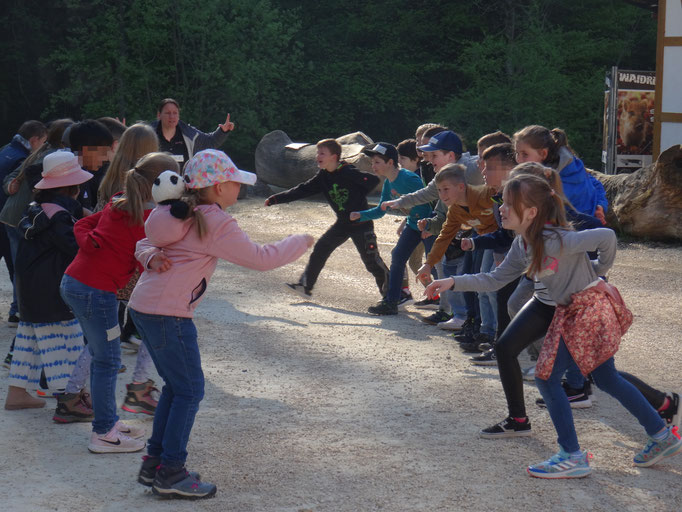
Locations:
{"points": [[565, 271]]}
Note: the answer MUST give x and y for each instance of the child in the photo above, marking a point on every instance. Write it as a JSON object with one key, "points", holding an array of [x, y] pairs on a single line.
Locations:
{"points": [[346, 189], [104, 264], [443, 147], [398, 181], [408, 159], [185, 254], [586, 328], [93, 144], [466, 205], [550, 147], [48, 339]]}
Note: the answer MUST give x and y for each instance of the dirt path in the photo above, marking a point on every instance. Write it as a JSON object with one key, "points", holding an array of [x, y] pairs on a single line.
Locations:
{"points": [[319, 406]]}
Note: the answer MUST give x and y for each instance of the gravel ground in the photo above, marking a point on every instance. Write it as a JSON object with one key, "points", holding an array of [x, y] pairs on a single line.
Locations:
{"points": [[318, 406]]}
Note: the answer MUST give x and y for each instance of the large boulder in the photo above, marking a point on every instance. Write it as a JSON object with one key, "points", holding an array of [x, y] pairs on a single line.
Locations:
{"points": [[648, 202], [283, 163]]}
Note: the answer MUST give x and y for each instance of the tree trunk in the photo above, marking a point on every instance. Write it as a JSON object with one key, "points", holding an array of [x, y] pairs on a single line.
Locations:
{"points": [[648, 202]]}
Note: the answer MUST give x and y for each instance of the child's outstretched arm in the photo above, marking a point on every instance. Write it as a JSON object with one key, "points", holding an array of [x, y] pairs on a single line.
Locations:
{"points": [[228, 242], [305, 189]]}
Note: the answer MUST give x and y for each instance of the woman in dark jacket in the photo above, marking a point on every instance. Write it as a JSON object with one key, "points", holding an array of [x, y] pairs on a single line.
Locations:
{"points": [[49, 339]]}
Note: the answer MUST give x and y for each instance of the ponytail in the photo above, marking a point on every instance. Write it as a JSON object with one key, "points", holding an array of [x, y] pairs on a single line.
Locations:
{"points": [[561, 139], [186, 208], [138, 184]]}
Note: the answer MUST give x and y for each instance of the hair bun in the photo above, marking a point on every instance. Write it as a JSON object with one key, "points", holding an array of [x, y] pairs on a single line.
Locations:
{"points": [[179, 209]]}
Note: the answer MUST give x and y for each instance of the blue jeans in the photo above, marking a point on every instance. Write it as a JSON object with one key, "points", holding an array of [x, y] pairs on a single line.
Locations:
{"points": [[172, 344], [487, 301], [456, 299], [607, 378], [408, 240], [97, 312]]}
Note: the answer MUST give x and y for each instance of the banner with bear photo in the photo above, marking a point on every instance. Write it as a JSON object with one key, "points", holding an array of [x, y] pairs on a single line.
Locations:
{"points": [[628, 120]]}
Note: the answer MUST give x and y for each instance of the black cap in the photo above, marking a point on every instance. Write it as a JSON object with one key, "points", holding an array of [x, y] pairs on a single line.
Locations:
{"points": [[382, 148]]}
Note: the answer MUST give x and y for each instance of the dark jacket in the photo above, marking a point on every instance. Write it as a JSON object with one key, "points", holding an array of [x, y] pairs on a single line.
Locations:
{"points": [[11, 157], [196, 140], [47, 248], [345, 189]]}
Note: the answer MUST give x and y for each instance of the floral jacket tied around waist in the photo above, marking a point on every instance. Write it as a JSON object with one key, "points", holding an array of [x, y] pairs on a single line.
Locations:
{"points": [[591, 327]]}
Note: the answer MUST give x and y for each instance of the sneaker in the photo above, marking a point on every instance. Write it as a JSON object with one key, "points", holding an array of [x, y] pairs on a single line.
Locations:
{"points": [[472, 348], [129, 430], [299, 289], [428, 303], [131, 343], [658, 450], [73, 407], [562, 465], [488, 358], [485, 341], [384, 307], [141, 398], [13, 321], [405, 298], [673, 414], [529, 374], [578, 398], [150, 465], [454, 324], [437, 318], [8, 360], [114, 442], [463, 337], [507, 428], [180, 483]]}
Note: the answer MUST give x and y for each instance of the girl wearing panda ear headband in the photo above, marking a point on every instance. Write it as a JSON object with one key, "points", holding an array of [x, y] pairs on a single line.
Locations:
{"points": [[184, 241]]}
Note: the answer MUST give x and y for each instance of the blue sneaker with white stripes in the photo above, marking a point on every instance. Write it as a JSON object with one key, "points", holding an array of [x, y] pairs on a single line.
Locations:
{"points": [[562, 465]]}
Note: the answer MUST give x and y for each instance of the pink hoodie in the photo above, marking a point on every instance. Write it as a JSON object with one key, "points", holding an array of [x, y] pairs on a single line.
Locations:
{"points": [[178, 291]]}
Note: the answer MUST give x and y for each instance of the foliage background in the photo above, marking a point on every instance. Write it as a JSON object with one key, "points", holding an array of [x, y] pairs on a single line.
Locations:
{"points": [[323, 68]]}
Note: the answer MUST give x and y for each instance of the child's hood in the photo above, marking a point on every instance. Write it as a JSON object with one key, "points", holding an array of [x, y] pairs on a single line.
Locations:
{"points": [[162, 229], [571, 168]]}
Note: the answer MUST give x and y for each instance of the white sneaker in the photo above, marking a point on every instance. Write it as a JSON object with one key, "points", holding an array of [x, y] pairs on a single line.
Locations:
{"points": [[129, 430], [114, 442], [454, 324], [529, 374]]}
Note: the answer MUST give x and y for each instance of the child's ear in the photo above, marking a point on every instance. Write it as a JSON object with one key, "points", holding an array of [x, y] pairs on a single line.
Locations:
{"points": [[531, 212], [543, 153]]}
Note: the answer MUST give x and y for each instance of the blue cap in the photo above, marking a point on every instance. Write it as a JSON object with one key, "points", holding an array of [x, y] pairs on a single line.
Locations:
{"points": [[444, 141]]}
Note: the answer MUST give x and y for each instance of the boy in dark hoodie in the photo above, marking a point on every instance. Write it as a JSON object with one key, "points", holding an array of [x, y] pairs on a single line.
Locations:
{"points": [[346, 189]]}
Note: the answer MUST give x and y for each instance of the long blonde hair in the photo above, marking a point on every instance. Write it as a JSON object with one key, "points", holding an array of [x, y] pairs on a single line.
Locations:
{"points": [[138, 184], [137, 141], [530, 191]]}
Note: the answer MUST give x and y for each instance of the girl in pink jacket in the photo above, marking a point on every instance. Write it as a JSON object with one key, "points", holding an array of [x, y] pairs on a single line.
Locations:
{"points": [[184, 242]]}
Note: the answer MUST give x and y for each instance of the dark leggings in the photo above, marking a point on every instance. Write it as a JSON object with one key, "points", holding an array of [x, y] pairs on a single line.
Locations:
{"points": [[502, 297], [528, 325]]}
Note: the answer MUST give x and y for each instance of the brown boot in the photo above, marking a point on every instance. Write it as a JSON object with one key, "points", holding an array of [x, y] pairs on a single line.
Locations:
{"points": [[73, 407], [19, 398]]}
